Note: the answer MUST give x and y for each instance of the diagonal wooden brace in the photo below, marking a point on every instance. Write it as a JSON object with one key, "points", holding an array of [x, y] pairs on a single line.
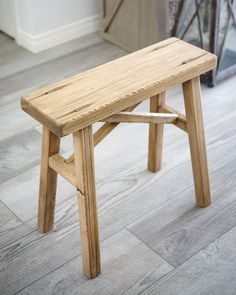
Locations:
{"points": [[103, 132], [135, 117], [180, 122], [168, 115]]}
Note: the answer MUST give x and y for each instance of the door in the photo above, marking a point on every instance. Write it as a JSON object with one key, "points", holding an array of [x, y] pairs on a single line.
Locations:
{"points": [[133, 24]]}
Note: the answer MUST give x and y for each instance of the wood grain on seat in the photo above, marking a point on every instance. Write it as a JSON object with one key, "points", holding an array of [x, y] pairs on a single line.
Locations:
{"points": [[88, 97]]}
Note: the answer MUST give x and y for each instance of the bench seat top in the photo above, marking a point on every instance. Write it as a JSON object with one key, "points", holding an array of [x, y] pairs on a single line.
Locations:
{"points": [[88, 97]]}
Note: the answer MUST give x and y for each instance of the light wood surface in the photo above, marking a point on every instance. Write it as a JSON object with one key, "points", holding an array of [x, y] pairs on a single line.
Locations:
{"points": [[192, 99], [84, 168], [155, 143], [86, 98], [48, 182], [135, 117], [180, 122], [106, 128], [75, 112], [102, 132], [64, 168], [32, 263]]}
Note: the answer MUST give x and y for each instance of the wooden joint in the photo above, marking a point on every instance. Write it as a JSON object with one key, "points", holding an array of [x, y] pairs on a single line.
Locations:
{"points": [[128, 117], [102, 132], [67, 170], [70, 159], [180, 121]]}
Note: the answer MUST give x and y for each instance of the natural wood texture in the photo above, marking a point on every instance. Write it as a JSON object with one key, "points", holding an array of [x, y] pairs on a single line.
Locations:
{"points": [[8, 223], [48, 181], [123, 29], [127, 251], [183, 229], [103, 132], [108, 127], [128, 117], [60, 165], [155, 143], [180, 121], [211, 271], [86, 98], [108, 37], [20, 64], [58, 68], [84, 169], [116, 216], [192, 99], [20, 152], [74, 111], [133, 24], [37, 264], [25, 203], [70, 159], [109, 17]]}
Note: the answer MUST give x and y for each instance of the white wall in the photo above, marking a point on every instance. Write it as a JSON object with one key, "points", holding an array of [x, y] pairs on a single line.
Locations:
{"points": [[40, 16], [45, 23], [8, 17]]}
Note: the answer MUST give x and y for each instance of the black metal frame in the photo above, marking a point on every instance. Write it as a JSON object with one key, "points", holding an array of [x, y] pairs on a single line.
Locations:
{"points": [[213, 76]]}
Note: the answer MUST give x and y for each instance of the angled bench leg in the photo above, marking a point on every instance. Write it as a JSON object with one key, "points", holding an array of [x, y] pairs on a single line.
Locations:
{"points": [[155, 135], [192, 99], [84, 170], [48, 182]]}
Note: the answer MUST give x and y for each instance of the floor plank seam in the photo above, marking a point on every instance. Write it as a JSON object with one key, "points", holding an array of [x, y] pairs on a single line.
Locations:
{"points": [[201, 249], [181, 264], [18, 134], [58, 267], [186, 247], [12, 212], [23, 236], [49, 61], [155, 252], [161, 206], [45, 275]]}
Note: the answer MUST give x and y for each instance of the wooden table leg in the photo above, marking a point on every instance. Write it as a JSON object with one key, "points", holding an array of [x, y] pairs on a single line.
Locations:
{"points": [[84, 170], [48, 182], [155, 135], [192, 99]]}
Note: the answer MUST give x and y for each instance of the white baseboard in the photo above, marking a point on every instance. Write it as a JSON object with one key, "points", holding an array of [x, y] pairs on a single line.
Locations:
{"points": [[37, 43]]}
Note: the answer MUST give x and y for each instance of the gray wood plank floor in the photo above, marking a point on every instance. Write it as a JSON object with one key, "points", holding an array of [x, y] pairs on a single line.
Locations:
{"points": [[154, 239]]}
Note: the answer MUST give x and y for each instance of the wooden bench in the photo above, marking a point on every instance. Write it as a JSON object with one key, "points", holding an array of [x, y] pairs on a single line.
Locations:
{"points": [[109, 93]]}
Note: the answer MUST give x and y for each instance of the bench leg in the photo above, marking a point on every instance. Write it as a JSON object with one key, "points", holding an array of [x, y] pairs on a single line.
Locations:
{"points": [[155, 135], [84, 170], [192, 99], [48, 182]]}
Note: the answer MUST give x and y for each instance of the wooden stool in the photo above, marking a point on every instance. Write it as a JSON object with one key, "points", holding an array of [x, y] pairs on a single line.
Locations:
{"points": [[109, 93]]}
